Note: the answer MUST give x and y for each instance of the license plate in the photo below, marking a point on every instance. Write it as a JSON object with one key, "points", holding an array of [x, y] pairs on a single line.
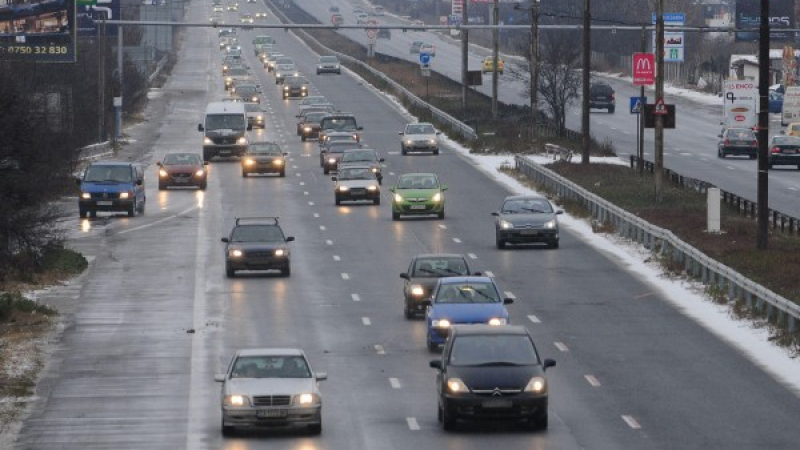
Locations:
{"points": [[497, 403], [529, 232], [417, 207], [271, 413], [104, 203], [789, 150], [224, 152], [181, 180]]}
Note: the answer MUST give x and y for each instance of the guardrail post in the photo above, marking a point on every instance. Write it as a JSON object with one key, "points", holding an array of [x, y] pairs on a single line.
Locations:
{"points": [[704, 278], [792, 324], [748, 296]]}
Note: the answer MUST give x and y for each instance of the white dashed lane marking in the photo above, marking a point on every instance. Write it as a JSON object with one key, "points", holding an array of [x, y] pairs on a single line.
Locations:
{"points": [[534, 319], [412, 424], [592, 380], [457, 240], [310, 203], [510, 294], [366, 321], [379, 349], [488, 273], [395, 383], [337, 258], [561, 346], [345, 276], [329, 242], [322, 227], [472, 255], [442, 226], [355, 297], [631, 422], [316, 215]]}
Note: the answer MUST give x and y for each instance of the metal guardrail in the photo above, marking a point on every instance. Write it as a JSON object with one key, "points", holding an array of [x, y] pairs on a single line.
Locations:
{"points": [[94, 151], [463, 129], [696, 264], [746, 207], [161, 63]]}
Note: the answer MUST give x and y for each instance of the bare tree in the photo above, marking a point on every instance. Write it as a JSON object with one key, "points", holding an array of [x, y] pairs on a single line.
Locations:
{"points": [[559, 75]]}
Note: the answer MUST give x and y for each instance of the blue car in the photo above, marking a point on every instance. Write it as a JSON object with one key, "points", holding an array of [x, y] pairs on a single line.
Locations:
{"points": [[464, 300], [775, 102], [113, 186]]}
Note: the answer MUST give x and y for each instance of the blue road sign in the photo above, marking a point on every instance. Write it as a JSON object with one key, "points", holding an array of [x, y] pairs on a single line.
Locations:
{"points": [[637, 104], [425, 58]]}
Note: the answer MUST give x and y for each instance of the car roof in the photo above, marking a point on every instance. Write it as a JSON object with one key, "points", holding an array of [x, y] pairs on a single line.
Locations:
{"points": [[359, 165], [467, 279], [419, 174], [481, 329], [525, 196], [439, 255], [113, 163], [269, 352]]}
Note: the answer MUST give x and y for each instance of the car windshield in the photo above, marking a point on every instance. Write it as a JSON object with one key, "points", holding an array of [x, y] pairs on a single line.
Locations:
{"points": [[285, 68], [257, 233], [417, 182], [289, 61], [786, 140], [526, 205], [472, 292], [741, 135], [296, 81], [360, 155], [252, 107], [182, 159], [314, 99], [289, 366], [265, 148], [246, 90], [328, 59], [356, 173], [438, 267], [420, 128], [339, 123], [237, 71], [108, 173], [339, 148], [489, 350], [315, 117]]}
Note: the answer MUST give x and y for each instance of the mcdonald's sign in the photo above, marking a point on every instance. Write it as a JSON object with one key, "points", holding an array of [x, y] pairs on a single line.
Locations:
{"points": [[644, 69]]}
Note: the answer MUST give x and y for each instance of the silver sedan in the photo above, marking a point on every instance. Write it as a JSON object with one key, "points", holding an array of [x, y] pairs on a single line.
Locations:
{"points": [[272, 387]]}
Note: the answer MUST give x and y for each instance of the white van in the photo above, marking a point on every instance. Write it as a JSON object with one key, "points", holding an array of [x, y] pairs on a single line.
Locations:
{"points": [[224, 130]]}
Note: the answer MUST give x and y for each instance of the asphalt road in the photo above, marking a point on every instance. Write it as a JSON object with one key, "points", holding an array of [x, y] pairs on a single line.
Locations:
{"points": [[156, 318], [690, 149]]}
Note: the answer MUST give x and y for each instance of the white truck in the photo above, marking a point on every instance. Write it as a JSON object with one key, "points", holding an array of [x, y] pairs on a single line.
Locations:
{"points": [[791, 105]]}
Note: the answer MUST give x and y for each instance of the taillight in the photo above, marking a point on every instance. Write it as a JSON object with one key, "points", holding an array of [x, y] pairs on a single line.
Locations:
{"points": [[612, 96], [727, 142], [755, 143], [775, 150]]}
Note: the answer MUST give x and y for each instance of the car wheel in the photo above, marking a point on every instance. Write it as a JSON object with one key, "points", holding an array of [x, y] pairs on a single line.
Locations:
{"points": [[338, 201], [719, 153], [432, 346], [206, 156], [315, 429], [611, 110], [161, 187], [500, 243], [229, 271], [769, 166], [286, 271], [318, 72], [436, 152], [395, 216], [244, 174], [440, 215], [141, 205], [403, 151], [302, 138], [82, 212], [326, 171], [753, 156], [407, 312], [132, 210], [228, 431], [448, 419], [282, 173], [203, 186], [539, 422], [92, 213]]}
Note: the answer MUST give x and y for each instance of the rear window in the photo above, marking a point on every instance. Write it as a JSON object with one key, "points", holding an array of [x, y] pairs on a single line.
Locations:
{"points": [[120, 173], [476, 350], [602, 89], [339, 123]]}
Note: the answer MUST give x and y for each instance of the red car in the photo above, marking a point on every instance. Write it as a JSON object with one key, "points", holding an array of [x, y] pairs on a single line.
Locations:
{"points": [[182, 169]]}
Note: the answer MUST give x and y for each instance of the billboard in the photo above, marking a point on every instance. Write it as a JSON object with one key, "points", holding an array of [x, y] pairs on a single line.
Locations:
{"points": [[90, 17], [781, 16], [38, 30]]}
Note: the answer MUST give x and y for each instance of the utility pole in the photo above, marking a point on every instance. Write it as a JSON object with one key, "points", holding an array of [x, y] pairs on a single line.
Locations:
{"points": [[640, 160], [121, 80], [658, 157], [495, 52], [101, 85], [534, 76], [464, 58], [762, 239], [587, 61]]}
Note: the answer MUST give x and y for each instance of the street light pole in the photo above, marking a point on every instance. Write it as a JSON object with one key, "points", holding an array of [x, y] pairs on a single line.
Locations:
{"points": [[495, 52], [762, 238], [658, 157], [534, 87], [587, 61]]}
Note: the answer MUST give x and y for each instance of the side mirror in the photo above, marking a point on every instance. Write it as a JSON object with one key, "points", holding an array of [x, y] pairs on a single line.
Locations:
{"points": [[290, 239], [404, 276], [249, 126], [508, 301], [219, 378], [199, 127], [436, 364], [139, 182], [333, 178], [559, 211], [496, 214], [224, 239], [478, 274], [380, 159], [426, 303], [548, 363], [719, 136], [391, 189], [359, 128], [783, 131], [438, 133], [400, 133], [444, 187], [205, 163], [321, 376], [158, 163], [285, 153]]}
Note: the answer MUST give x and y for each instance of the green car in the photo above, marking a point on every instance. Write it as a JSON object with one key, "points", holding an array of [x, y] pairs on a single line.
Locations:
{"points": [[418, 194]]}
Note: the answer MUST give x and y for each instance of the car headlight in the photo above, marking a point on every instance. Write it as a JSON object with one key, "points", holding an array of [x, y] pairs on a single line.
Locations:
{"points": [[551, 224], [280, 252], [303, 88], [374, 170], [259, 118], [409, 142], [236, 253], [286, 88], [249, 162], [432, 141], [504, 224], [417, 290], [497, 321], [241, 140], [440, 323], [86, 195], [398, 198], [455, 385], [306, 128], [372, 188], [537, 385], [124, 195], [437, 197], [162, 173], [236, 400], [254, 99], [229, 80], [332, 160], [278, 162], [207, 141], [200, 173], [306, 399], [224, 67], [343, 188]]}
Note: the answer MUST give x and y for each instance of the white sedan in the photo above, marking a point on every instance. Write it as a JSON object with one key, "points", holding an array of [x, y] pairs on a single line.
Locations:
{"points": [[419, 137]]}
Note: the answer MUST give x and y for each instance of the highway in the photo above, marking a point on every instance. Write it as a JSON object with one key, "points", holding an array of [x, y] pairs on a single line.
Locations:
{"points": [[155, 317], [690, 149]]}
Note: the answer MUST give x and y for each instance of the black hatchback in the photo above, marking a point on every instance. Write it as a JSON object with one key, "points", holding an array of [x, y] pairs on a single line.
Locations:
{"points": [[738, 141], [601, 96], [491, 373], [784, 151], [257, 243]]}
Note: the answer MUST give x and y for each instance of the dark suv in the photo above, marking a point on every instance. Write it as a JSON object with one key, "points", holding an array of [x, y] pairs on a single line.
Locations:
{"points": [[601, 96], [257, 243], [489, 373]]}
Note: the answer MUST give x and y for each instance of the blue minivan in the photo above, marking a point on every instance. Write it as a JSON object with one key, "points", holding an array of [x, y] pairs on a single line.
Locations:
{"points": [[113, 186]]}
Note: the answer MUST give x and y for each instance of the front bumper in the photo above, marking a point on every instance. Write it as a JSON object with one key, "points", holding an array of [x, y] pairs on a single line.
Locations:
{"points": [[329, 69], [308, 132], [258, 263], [514, 407], [528, 235], [421, 145], [417, 208], [264, 167], [295, 93], [182, 179], [210, 151], [739, 151], [357, 194], [105, 204], [780, 159], [258, 417]]}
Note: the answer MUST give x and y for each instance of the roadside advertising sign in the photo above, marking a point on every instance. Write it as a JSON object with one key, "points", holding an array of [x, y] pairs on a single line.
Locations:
{"points": [[740, 100]]}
